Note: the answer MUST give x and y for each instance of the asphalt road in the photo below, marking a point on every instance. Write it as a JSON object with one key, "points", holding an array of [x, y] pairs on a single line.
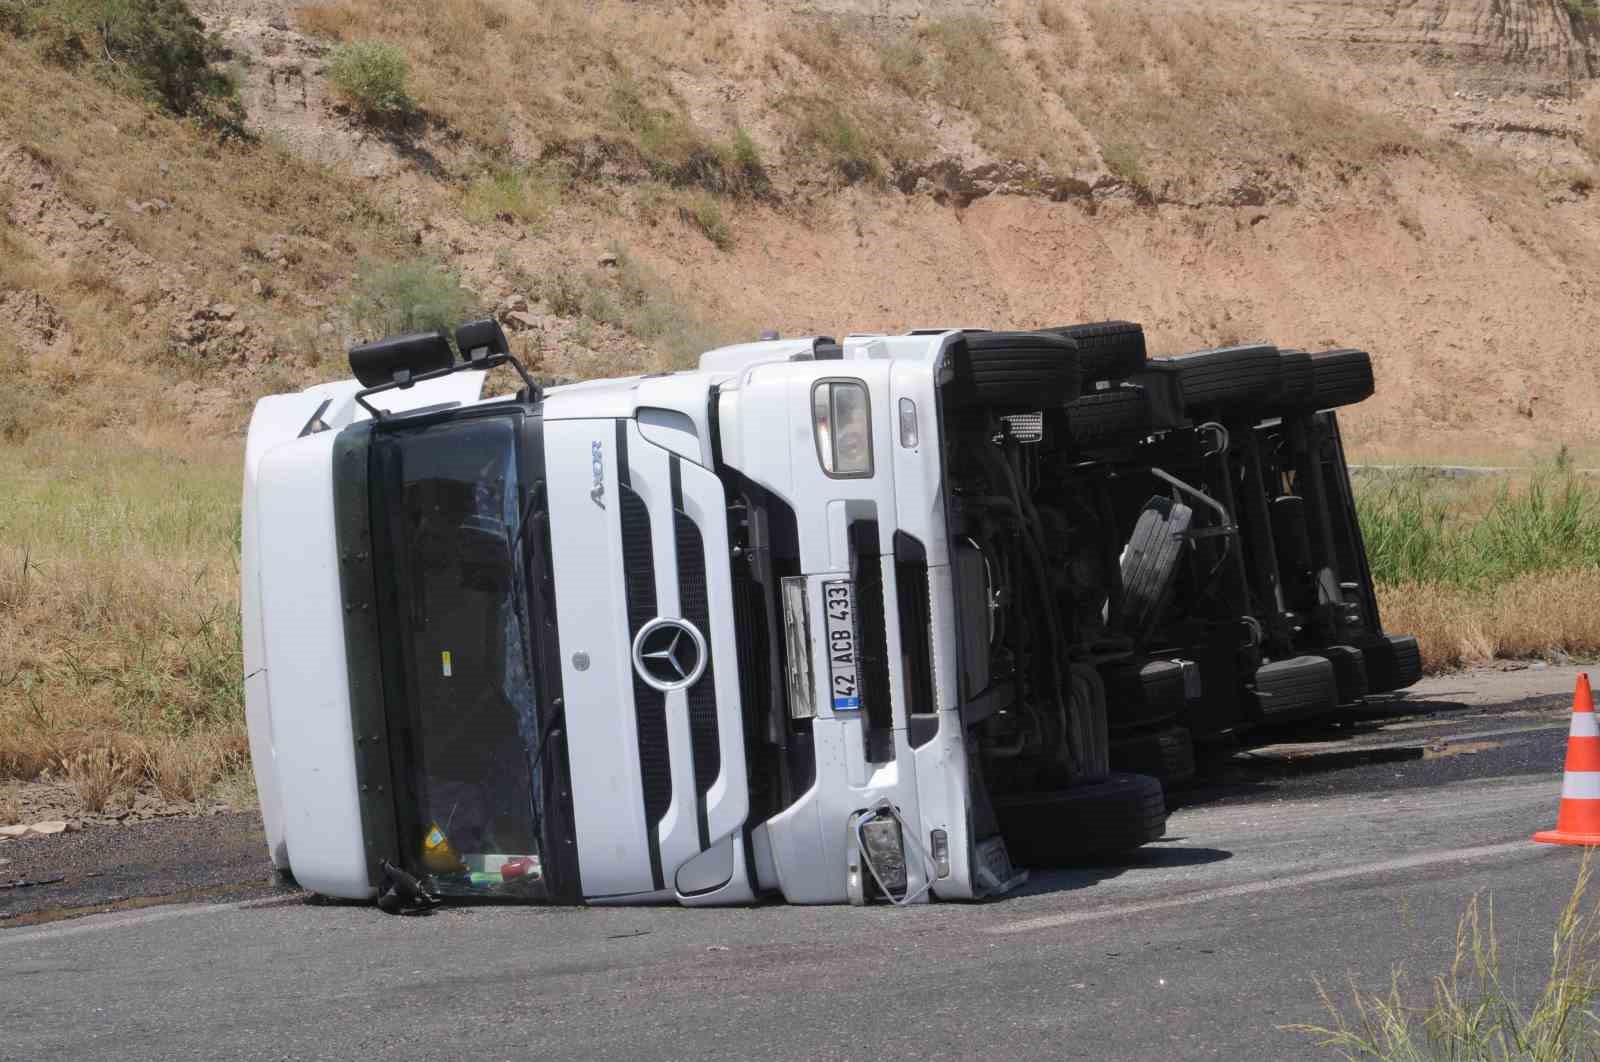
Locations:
{"points": [[1326, 856]]}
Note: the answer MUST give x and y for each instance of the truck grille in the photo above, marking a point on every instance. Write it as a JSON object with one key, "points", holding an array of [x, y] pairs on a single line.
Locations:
{"points": [[650, 708], [692, 600]]}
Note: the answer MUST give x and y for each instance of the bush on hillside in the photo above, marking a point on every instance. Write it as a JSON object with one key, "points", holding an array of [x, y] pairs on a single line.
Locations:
{"points": [[372, 76], [420, 295], [155, 48]]}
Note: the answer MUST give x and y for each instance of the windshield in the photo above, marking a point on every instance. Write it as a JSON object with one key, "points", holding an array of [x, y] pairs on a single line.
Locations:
{"points": [[448, 501]]}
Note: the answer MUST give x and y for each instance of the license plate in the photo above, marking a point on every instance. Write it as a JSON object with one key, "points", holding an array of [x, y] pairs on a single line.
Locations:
{"points": [[839, 605]]}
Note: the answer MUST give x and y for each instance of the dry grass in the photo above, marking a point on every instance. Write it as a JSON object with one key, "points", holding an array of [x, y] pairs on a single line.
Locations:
{"points": [[118, 605], [239, 212], [102, 777], [10, 810], [1549, 615], [1591, 126], [189, 768], [604, 72], [1188, 95]]}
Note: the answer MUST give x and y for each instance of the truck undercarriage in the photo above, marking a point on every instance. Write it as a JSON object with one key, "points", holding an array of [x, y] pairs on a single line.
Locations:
{"points": [[1164, 557]]}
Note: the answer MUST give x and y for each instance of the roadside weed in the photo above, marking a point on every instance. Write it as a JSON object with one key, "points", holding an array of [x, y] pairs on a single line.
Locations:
{"points": [[1475, 1016]]}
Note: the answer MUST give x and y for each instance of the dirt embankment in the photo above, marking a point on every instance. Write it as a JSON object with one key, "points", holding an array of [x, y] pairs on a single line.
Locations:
{"points": [[1414, 180]]}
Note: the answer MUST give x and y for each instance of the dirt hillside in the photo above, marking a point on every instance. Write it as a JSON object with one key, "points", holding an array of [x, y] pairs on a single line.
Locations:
{"points": [[625, 183]]}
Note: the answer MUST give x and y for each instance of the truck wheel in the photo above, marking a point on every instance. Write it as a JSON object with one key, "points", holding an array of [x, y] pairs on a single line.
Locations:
{"points": [[1166, 754], [1107, 350], [1298, 386], [1143, 693], [1229, 379], [1067, 826], [1349, 671], [1290, 690], [1394, 661], [1343, 378], [1117, 412], [1029, 370], [1150, 562]]}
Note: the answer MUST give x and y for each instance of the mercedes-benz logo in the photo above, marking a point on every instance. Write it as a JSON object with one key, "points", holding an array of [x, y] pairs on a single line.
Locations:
{"points": [[669, 654]]}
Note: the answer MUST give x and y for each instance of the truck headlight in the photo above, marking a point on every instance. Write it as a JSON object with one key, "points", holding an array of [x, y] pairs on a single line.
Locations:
{"points": [[842, 416]]}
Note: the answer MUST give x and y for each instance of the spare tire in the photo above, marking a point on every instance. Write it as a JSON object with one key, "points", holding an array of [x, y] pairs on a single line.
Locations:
{"points": [[1229, 379], [1107, 350], [1150, 563], [1028, 370], [1118, 412], [1066, 826], [1298, 688], [1342, 378]]}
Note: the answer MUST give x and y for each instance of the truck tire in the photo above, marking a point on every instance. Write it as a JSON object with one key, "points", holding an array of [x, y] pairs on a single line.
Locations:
{"points": [[1290, 690], [1066, 826], [1107, 350], [1167, 754], [1298, 386], [1027, 370], [1342, 378], [1394, 661], [1150, 562], [1349, 671], [1142, 693], [1229, 379], [1122, 411]]}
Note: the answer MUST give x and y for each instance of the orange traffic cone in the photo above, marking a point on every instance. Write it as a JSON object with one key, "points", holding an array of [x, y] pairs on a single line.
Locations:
{"points": [[1578, 821]]}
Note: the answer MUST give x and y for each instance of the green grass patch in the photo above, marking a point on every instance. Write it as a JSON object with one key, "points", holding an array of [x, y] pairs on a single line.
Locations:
{"points": [[704, 213], [415, 295], [511, 194], [1478, 533]]}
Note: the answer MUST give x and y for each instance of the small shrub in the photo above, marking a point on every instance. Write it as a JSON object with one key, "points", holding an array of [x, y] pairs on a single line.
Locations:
{"points": [[419, 295], [705, 213], [510, 195], [155, 48], [827, 126], [371, 76], [905, 66], [1123, 162], [746, 155], [743, 171]]}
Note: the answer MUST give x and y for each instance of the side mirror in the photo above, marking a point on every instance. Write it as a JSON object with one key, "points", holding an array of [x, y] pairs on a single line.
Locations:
{"points": [[482, 340], [400, 359]]}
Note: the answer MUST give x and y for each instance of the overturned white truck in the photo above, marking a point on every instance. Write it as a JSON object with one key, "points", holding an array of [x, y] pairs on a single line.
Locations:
{"points": [[870, 620]]}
